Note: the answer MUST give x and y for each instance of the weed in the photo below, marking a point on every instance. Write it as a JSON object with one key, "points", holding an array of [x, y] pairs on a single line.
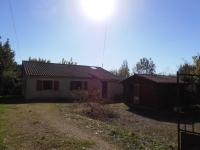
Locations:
{"points": [[126, 138], [36, 122], [67, 142]]}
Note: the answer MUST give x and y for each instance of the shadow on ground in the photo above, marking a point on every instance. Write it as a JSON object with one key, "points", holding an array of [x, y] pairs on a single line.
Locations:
{"points": [[22, 100], [164, 115]]}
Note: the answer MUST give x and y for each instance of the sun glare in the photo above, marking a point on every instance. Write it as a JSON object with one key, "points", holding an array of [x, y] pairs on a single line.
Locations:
{"points": [[98, 9]]}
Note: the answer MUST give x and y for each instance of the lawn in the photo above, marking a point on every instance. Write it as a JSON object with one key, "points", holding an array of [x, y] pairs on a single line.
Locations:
{"points": [[68, 126]]}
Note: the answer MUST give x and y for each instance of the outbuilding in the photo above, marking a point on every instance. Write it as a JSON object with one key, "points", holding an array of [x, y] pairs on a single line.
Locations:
{"points": [[151, 91]]}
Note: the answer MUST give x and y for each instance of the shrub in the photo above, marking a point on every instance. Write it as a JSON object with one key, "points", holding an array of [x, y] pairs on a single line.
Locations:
{"points": [[96, 104]]}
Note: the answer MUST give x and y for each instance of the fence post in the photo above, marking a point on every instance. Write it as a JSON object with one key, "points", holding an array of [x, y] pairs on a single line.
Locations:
{"points": [[178, 105]]}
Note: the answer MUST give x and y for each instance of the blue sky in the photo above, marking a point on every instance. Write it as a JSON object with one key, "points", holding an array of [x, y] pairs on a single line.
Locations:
{"points": [[165, 30]]}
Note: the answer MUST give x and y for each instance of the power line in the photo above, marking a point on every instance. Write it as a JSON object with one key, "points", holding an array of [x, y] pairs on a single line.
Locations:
{"points": [[104, 42], [14, 28]]}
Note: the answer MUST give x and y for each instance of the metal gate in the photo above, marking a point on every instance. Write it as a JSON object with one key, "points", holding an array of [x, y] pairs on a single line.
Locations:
{"points": [[188, 111]]}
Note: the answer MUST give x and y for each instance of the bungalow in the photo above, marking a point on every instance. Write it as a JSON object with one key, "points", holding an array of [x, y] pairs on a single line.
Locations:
{"points": [[56, 81], [151, 91]]}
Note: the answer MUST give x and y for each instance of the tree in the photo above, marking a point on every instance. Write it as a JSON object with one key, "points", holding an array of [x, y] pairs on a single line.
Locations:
{"points": [[124, 70], [196, 67], [39, 60], [8, 74], [7, 56], [114, 71], [68, 62], [186, 68], [145, 66]]}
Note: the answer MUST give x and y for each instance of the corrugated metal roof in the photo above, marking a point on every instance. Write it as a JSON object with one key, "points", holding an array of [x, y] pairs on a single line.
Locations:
{"points": [[155, 78], [62, 70]]}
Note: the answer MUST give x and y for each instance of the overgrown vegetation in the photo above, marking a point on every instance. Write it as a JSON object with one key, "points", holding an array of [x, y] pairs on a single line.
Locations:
{"points": [[95, 103], [94, 107], [124, 137]]}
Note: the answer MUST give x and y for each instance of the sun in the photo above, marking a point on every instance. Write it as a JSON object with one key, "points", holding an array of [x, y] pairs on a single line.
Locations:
{"points": [[98, 9]]}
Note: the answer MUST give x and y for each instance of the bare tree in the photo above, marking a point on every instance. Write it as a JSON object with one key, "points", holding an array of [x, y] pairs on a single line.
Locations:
{"points": [[68, 62]]}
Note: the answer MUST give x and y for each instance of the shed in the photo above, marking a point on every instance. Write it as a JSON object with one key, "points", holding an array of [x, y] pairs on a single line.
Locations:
{"points": [[151, 91]]}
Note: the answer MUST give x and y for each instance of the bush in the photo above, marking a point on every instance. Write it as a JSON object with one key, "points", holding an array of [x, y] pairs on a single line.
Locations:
{"points": [[17, 89], [96, 104]]}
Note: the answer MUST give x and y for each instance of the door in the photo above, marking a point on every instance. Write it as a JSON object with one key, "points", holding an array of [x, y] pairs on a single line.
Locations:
{"points": [[104, 88], [136, 94]]}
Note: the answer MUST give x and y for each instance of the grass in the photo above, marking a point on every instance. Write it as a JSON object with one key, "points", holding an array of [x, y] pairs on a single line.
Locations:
{"points": [[10, 96], [3, 128], [123, 137], [2, 135], [48, 137], [67, 142], [118, 105]]}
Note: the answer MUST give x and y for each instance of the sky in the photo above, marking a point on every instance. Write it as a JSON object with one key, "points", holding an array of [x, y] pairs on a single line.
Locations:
{"points": [[167, 31]]}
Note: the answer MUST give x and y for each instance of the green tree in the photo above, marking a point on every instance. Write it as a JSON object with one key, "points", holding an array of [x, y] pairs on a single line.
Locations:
{"points": [[68, 62], [145, 66], [196, 62], [124, 70], [186, 68], [114, 71], [39, 60], [8, 74]]}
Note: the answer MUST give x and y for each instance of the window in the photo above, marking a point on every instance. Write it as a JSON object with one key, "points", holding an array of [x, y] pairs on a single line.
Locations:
{"points": [[75, 85], [47, 85]]}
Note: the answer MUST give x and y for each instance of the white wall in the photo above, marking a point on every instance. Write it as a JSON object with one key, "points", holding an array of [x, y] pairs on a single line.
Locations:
{"points": [[114, 88], [64, 88]]}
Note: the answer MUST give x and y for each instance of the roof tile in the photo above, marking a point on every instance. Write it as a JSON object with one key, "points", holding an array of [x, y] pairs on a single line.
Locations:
{"points": [[62, 70]]}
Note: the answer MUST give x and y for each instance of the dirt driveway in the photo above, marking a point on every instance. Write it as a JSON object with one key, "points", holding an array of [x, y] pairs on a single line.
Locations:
{"points": [[45, 126], [60, 126]]}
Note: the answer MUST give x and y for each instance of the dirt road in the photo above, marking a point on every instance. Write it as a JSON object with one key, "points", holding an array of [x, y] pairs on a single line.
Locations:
{"points": [[45, 126]]}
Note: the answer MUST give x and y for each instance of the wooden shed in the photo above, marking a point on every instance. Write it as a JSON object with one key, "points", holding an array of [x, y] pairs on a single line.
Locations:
{"points": [[151, 91]]}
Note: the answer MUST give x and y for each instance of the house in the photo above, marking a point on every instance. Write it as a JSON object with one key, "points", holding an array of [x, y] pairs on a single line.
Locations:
{"points": [[56, 81], [151, 91]]}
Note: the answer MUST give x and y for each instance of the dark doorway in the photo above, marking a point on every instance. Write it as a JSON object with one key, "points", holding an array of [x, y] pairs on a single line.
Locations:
{"points": [[104, 88], [136, 94], [131, 93]]}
